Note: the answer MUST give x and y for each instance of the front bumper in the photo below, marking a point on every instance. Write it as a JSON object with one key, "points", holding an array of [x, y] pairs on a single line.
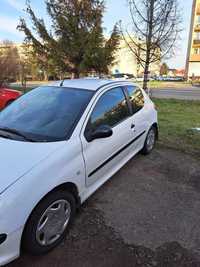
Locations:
{"points": [[10, 249]]}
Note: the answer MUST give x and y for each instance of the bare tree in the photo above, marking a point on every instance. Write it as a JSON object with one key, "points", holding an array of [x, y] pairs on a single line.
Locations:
{"points": [[156, 26], [9, 62], [164, 69]]}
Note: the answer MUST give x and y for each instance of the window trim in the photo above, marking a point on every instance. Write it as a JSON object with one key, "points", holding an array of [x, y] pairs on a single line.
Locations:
{"points": [[123, 88]]}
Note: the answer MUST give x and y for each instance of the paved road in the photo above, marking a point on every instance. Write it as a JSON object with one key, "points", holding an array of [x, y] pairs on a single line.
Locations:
{"points": [[147, 215], [190, 93]]}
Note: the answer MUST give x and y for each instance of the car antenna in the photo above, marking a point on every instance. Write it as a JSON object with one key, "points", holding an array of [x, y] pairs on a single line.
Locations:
{"points": [[61, 84]]}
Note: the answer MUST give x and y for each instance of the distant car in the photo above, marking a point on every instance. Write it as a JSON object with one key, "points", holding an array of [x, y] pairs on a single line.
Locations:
{"points": [[7, 96], [123, 76], [139, 79], [179, 79], [59, 144], [170, 78]]}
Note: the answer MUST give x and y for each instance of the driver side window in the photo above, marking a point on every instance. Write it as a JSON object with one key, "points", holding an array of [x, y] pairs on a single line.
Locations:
{"points": [[110, 109]]}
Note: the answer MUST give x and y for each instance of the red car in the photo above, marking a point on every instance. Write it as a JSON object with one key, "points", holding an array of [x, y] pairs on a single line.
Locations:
{"points": [[7, 96]]}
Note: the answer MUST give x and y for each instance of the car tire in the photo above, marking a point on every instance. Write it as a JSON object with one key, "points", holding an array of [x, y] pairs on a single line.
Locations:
{"points": [[49, 223], [150, 141]]}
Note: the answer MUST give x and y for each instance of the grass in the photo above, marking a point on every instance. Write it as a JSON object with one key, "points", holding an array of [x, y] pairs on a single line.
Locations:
{"points": [[176, 118], [20, 88]]}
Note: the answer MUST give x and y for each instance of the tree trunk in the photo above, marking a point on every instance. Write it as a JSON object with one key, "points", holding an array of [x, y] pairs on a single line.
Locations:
{"points": [[76, 74], [45, 76], [150, 15], [146, 77]]}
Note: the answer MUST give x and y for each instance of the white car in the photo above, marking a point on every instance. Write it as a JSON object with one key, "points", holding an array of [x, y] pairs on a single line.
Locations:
{"points": [[59, 144]]}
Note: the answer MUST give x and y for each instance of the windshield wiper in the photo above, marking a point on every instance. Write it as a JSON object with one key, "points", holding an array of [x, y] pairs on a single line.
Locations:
{"points": [[16, 132], [4, 136]]}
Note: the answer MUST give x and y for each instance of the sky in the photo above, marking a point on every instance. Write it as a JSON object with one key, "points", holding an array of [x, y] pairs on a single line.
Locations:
{"points": [[11, 10]]}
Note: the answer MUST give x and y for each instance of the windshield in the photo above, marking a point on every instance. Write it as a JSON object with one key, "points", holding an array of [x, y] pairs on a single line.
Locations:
{"points": [[46, 113]]}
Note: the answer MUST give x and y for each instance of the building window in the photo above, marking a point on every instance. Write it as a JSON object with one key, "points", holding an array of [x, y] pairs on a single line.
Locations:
{"points": [[196, 51], [198, 20], [197, 36]]}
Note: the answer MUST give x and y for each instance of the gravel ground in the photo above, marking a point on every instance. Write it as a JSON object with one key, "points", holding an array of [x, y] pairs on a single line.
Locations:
{"points": [[146, 215]]}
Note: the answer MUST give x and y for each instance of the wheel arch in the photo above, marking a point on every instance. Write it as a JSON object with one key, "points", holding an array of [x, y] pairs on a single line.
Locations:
{"points": [[68, 187], [155, 126], [71, 188]]}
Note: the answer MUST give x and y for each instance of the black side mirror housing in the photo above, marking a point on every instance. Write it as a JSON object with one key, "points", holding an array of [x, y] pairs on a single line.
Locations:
{"points": [[103, 131]]}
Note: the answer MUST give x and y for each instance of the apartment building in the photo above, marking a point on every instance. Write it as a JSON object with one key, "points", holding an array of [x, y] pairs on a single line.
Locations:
{"points": [[126, 62], [193, 54]]}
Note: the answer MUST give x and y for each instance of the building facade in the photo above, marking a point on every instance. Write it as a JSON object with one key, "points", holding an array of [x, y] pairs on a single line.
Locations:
{"points": [[126, 62], [193, 54]]}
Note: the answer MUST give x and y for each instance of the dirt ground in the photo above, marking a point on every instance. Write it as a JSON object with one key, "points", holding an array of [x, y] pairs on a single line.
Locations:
{"points": [[147, 215]]}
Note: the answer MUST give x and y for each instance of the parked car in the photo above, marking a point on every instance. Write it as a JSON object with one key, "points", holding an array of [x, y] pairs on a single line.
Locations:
{"points": [[123, 76], [7, 96], [170, 79], [59, 144], [139, 79]]}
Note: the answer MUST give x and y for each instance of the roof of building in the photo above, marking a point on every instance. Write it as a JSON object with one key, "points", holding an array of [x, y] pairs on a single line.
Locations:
{"points": [[90, 84]]}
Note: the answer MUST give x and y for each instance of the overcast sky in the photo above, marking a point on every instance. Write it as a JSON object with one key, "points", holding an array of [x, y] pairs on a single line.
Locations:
{"points": [[116, 10]]}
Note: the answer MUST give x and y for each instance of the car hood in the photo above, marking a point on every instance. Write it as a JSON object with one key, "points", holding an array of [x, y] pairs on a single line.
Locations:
{"points": [[18, 158]]}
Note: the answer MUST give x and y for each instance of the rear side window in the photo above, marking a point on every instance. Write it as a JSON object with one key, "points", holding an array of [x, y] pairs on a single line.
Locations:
{"points": [[136, 98], [110, 109]]}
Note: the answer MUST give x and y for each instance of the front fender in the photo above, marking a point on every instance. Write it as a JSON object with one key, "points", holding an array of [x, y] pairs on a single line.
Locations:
{"points": [[19, 200]]}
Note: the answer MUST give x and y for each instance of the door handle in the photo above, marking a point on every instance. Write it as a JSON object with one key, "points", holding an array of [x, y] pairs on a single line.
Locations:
{"points": [[132, 126]]}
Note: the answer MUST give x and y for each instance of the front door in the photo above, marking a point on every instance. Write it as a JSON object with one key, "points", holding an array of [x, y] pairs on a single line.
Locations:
{"points": [[103, 156]]}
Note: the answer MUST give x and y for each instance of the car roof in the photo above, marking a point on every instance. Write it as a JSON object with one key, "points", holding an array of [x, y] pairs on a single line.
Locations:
{"points": [[88, 84]]}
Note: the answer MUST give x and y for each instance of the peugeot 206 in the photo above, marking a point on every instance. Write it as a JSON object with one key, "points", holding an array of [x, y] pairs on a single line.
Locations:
{"points": [[58, 144]]}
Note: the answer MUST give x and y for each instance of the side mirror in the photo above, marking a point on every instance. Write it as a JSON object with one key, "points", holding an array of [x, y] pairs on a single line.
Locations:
{"points": [[103, 131]]}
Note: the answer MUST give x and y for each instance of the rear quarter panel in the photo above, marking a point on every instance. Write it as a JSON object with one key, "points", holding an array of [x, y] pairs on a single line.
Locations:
{"points": [[151, 114]]}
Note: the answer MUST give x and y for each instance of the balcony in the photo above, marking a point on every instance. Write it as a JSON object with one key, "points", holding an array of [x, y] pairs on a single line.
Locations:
{"points": [[197, 28], [196, 43], [198, 10], [195, 58]]}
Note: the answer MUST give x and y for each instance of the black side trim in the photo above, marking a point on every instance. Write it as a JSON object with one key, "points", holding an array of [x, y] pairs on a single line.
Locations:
{"points": [[2, 238], [116, 154]]}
